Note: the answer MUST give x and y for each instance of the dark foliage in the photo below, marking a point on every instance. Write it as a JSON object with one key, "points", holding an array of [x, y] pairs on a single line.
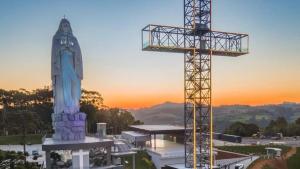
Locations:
{"points": [[15, 160], [242, 129], [30, 112], [280, 125]]}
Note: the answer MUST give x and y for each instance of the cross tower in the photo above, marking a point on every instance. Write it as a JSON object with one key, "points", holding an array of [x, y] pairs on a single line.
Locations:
{"points": [[198, 42]]}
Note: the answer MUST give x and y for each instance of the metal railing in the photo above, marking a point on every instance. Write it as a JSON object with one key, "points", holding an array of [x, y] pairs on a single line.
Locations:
{"points": [[179, 39]]}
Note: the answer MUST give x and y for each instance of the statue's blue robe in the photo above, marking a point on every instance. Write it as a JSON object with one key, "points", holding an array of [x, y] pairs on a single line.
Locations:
{"points": [[70, 83]]}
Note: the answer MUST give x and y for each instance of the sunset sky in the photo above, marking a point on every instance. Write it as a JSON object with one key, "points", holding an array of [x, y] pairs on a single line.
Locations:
{"points": [[109, 35]]}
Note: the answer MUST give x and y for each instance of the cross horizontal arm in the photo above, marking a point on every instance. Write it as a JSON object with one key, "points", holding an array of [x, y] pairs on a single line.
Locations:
{"points": [[181, 40]]}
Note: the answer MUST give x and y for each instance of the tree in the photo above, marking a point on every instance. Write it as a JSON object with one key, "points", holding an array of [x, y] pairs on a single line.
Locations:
{"points": [[293, 130], [21, 101], [37, 107], [251, 129], [90, 111], [278, 126], [242, 129], [298, 121], [92, 97], [117, 119]]}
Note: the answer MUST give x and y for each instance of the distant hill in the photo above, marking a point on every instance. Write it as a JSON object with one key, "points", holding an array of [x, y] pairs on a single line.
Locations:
{"points": [[173, 113]]}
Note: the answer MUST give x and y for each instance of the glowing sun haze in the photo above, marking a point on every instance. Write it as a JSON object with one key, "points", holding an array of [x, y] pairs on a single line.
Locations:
{"points": [[109, 34]]}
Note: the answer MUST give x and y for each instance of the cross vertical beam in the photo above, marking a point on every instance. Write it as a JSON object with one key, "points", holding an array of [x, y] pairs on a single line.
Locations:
{"points": [[197, 16]]}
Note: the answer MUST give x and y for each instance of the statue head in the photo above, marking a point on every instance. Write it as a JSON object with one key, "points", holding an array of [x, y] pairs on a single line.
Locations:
{"points": [[65, 26]]}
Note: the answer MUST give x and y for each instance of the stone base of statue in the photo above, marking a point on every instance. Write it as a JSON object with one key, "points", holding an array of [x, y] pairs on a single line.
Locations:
{"points": [[68, 126], [79, 149], [70, 136]]}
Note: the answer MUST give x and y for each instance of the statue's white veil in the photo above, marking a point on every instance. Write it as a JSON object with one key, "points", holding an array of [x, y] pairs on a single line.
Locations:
{"points": [[60, 30], [56, 47]]}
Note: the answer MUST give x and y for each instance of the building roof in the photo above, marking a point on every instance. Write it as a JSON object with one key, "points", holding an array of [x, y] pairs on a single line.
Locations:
{"points": [[119, 154], [134, 134], [158, 129], [272, 148]]}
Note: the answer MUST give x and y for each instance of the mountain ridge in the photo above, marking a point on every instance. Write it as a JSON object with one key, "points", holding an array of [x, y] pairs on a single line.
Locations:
{"points": [[224, 115]]}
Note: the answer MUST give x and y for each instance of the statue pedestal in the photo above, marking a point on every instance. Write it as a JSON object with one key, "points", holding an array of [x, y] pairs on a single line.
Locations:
{"points": [[68, 126], [80, 150], [80, 159]]}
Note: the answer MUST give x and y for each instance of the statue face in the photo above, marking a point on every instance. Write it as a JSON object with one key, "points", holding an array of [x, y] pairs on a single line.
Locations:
{"points": [[66, 27]]}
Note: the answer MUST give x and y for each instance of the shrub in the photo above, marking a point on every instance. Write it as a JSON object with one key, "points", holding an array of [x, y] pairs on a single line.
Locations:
{"points": [[294, 162]]}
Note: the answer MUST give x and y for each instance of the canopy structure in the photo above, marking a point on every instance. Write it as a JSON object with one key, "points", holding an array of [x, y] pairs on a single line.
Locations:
{"points": [[158, 129]]}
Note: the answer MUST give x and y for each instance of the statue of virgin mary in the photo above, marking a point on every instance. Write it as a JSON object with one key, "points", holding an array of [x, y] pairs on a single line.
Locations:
{"points": [[66, 70]]}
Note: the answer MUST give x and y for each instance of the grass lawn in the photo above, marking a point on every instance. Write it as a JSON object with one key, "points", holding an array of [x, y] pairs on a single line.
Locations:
{"points": [[142, 160], [260, 117], [17, 139], [294, 161], [257, 150]]}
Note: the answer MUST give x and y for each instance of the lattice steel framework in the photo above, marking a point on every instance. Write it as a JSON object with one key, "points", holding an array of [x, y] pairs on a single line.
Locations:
{"points": [[197, 107], [198, 43]]}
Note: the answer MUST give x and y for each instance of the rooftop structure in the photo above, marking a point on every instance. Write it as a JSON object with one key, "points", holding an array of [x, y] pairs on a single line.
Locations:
{"points": [[273, 152], [158, 129], [179, 130], [136, 138]]}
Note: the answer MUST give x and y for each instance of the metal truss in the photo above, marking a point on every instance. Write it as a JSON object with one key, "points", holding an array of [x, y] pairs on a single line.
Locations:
{"points": [[197, 72], [178, 39], [198, 43]]}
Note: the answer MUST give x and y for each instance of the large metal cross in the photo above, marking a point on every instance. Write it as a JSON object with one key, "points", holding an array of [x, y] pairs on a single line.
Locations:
{"points": [[198, 42]]}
